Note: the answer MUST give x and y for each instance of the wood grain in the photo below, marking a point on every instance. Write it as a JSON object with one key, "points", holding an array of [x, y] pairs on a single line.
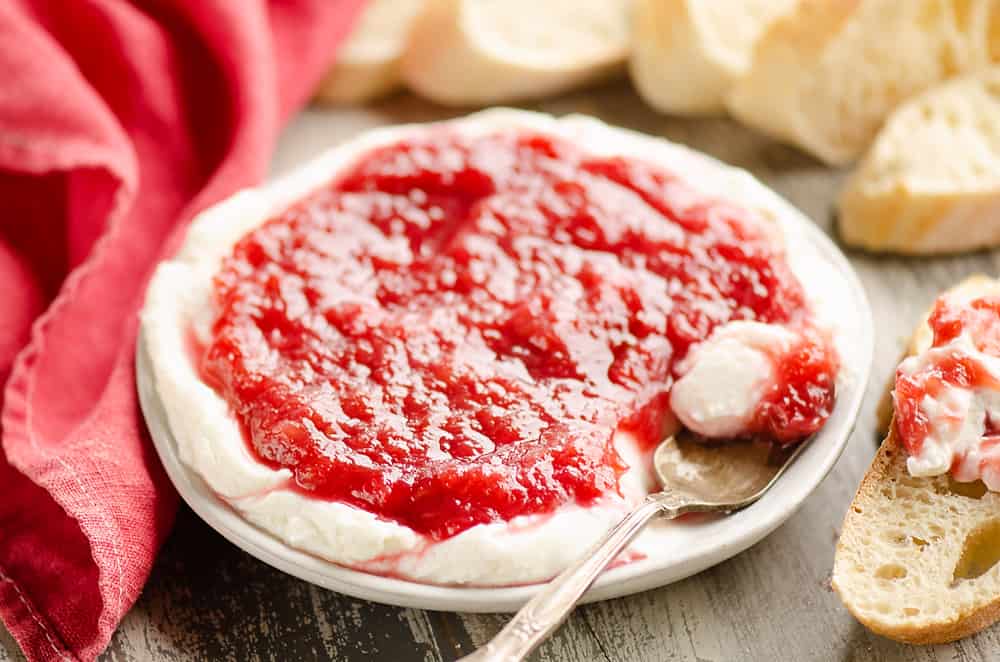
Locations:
{"points": [[206, 600]]}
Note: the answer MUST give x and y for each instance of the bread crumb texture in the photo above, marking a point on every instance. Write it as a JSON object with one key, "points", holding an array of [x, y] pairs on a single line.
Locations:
{"points": [[917, 559]]}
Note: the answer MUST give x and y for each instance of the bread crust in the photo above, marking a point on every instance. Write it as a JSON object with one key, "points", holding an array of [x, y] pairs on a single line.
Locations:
{"points": [[768, 97], [889, 463], [681, 64], [809, 27], [445, 62], [367, 64], [654, 66]]}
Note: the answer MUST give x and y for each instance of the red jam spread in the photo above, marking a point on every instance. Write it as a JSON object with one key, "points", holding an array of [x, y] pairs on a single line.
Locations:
{"points": [[980, 319], [451, 331]]}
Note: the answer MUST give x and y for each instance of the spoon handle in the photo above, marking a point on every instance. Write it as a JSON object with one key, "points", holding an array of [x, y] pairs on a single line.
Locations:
{"points": [[555, 601]]}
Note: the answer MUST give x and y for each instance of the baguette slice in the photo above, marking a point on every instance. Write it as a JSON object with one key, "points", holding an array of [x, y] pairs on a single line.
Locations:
{"points": [[931, 181], [916, 557], [825, 75], [478, 52], [686, 54], [367, 65]]}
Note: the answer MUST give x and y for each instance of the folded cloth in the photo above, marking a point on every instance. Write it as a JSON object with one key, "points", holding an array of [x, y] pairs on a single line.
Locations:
{"points": [[118, 121]]}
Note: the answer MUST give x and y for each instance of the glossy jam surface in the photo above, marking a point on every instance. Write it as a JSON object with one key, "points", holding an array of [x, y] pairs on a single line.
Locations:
{"points": [[980, 319], [451, 332]]}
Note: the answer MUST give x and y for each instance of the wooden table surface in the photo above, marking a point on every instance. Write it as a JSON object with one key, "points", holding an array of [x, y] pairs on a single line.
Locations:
{"points": [[207, 600]]}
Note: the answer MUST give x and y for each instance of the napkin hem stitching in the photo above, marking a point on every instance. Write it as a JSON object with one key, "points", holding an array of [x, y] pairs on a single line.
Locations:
{"points": [[62, 651]]}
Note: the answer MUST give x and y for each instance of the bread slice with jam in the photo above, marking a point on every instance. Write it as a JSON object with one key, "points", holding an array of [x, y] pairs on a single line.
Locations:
{"points": [[917, 559]]}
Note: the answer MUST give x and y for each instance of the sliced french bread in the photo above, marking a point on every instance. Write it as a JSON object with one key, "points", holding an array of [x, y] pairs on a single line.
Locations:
{"points": [[931, 181], [825, 75], [686, 54], [476, 52], [367, 65], [916, 559]]}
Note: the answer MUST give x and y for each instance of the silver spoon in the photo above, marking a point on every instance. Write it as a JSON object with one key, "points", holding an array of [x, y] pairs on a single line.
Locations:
{"points": [[694, 477]]}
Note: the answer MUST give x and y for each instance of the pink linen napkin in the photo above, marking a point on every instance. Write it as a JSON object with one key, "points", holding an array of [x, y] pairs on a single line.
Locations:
{"points": [[118, 121]]}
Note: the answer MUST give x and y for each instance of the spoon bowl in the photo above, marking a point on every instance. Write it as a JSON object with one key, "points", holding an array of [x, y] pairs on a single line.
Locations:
{"points": [[694, 476], [731, 475]]}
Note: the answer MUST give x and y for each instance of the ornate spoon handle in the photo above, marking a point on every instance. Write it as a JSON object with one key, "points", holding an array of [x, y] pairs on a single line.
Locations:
{"points": [[553, 603]]}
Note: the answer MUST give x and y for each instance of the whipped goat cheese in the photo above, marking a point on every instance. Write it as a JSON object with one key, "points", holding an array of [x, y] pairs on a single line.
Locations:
{"points": [[718, 390], [724, 378]]}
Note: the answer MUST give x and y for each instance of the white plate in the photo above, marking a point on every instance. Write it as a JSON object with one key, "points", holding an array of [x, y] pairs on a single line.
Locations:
{"points": [[686, 549]]}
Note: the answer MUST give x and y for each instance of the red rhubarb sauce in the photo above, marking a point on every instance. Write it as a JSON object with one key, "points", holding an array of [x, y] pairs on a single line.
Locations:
{"points": [[980, 319], [452, 330]]}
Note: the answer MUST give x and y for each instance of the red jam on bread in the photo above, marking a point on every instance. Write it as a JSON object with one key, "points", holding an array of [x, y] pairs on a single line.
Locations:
{"points": [[452, 331], [947, 398]]}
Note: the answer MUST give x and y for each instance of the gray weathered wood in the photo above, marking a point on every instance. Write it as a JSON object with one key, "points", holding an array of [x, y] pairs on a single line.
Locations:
{"points": [[208, 600], [8, 647]]}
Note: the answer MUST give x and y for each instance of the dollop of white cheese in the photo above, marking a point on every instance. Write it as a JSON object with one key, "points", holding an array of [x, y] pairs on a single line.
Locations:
{"points": [[957, 419], [724, 378]]}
